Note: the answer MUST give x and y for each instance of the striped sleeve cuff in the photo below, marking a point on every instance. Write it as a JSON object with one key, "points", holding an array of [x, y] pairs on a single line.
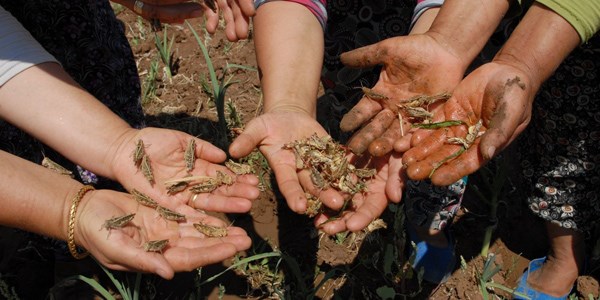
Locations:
{"points": [[422, 6], [317, 7]]}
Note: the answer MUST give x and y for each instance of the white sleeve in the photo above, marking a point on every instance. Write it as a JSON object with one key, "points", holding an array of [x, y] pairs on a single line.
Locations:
{"points": [[18, 49]]}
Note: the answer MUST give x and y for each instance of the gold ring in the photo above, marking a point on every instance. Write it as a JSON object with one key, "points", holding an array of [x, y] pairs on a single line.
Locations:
{"points": [[194, 200], [138, 7]]}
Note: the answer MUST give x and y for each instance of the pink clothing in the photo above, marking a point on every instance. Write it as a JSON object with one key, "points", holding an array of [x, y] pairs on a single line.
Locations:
{"points": [[317, 7]]}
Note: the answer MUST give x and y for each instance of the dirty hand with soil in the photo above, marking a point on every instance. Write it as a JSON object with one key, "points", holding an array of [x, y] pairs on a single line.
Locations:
{"points": [[498, 94], [413, 65]]}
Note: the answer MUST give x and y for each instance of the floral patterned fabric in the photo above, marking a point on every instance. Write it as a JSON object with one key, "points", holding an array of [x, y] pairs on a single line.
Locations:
{"points": [[560, 157]]}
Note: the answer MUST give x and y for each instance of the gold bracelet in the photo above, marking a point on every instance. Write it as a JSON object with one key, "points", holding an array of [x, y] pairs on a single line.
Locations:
{"points": [[71, 231]]}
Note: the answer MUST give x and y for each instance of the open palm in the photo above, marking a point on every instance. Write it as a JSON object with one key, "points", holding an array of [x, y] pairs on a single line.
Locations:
{"points": [[412, 65], [501, 97]]}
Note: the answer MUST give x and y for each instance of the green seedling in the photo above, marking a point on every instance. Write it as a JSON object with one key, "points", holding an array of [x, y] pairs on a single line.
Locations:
{"points": [[165, 46], [485, 282], [127, 292], [490, 193], [438, 124], [149, 85]]}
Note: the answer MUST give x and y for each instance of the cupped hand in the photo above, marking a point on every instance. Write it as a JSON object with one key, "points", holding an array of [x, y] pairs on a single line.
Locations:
{"points": [[236, 13], [500, 95], [270, 132], [123, 248], [165, 150], [412, 65], [387, 185]]}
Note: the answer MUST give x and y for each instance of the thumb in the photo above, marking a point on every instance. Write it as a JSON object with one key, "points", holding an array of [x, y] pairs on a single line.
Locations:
{"points": [[503, 124], [250, 139], [367, 56]]}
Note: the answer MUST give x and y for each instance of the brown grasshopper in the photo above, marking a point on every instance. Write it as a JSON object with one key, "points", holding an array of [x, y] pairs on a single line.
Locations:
{"points": [[206, 186], [117, 222], [50, 164], [138, 153], [176, 187], [424, 100], [143, 199], [190, 155], [238, 168], [147, 169], [211, 231], [155, 246], [373, 95], [170, 215]]}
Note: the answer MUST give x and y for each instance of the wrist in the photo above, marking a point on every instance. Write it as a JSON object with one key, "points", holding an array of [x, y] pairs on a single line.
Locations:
{"points": [[463, 27], [539, 44], [300, 107], [123, 145], [514, 60], [76, 205], [462, 59]]}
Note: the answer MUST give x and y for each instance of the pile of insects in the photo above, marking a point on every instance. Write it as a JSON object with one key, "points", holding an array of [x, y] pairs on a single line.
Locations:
{"points": [[328, 165]]}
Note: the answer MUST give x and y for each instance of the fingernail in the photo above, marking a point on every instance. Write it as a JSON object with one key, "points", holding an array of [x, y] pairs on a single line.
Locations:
{"points": [[490, 152]]}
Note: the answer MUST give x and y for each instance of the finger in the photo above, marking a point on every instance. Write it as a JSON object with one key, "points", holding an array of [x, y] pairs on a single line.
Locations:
{"points": [[229, 20], [289, 185], [135, 257], [384, 144], [247, 7], [467, 163], [239, 241], [363, 111], [212, 21], [425, 148], [240, 21], [250, 179], [360, 141], [329, 197], [183, 259], [238, 189], [371, 209], [394, 185], [501, 132], [367, 56], [209, 152], [330, 226], [428, 167], [219, 203], [248, 140], [402, 144]]}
